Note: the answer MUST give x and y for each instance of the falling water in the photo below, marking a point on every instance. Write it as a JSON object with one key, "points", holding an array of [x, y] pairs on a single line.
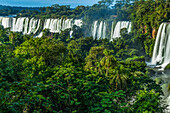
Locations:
{"points": [[161, 53], [99, 35], [28, 26], [94, 29], [120, 25], [18, 25], [99, 30], [161, 58], [58, 25], [104, 31], [32, 26], [6, 22]]}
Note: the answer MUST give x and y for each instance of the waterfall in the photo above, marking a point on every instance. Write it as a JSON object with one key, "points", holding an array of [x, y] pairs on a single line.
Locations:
{"points": [[112, 31], [58, 25], [120, 25], [98, 30], [104, 31], [18, 25], [99, 34], [6, 22], [26, 26], [32, 26], [78, 22], [161, 52], [36, 29], [67, 24], [94, 29], [22, 24]]}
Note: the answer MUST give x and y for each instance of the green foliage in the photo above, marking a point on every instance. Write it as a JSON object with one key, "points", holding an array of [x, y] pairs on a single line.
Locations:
{"points": [[141, 106], [73, 89], [57, 73], [50, 50], [10, 66], [118, 79], [45, 75], [111, 102], [17, 38], [136, 58], [3, 34], [74, 52], [149, 45], [146, 17], [168, 66]]}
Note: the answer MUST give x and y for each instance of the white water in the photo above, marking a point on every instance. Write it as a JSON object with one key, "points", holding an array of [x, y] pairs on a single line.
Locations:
{"points": [[99, 30], [161, 58], [161, 52], [6, 22], [94, 29], [32, 26], [164, 79], [120, 25], [58, 25], [22, 24]]}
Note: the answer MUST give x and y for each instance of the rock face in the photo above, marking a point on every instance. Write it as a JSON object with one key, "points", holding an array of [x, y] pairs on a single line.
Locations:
{"points": [[161, 53], [153, 33]]}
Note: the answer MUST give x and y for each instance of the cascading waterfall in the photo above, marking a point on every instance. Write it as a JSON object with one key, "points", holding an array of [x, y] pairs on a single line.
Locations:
{"points": [[28, 26], [94, 29], [161, 52], [99, 30], [120, 25], [78, 22], [32, 26], [112, 30], [66, 24], [19, 25], [58, 25], [6, 22], [99, 35], [104, 31]]}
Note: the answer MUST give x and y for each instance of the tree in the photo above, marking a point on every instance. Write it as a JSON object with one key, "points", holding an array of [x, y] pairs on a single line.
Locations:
{"points": [[74, 53], [4, 34], [109, 62], [148, 101], [94, 58], [50, 50], [119, 78]]}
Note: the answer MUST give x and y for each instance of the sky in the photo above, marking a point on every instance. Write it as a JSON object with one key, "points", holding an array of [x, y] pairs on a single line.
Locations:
{"points": [[38, 3]]}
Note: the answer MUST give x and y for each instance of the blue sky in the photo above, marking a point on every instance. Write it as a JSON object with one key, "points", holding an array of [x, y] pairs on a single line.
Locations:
{"points": [[34, 3]]}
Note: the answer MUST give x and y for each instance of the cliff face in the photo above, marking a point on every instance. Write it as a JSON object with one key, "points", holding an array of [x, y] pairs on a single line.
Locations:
{"points": [[153, 33]]}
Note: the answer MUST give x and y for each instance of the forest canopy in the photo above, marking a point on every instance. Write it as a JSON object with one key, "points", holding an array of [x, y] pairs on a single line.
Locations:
{"points": [[56, 73]]}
